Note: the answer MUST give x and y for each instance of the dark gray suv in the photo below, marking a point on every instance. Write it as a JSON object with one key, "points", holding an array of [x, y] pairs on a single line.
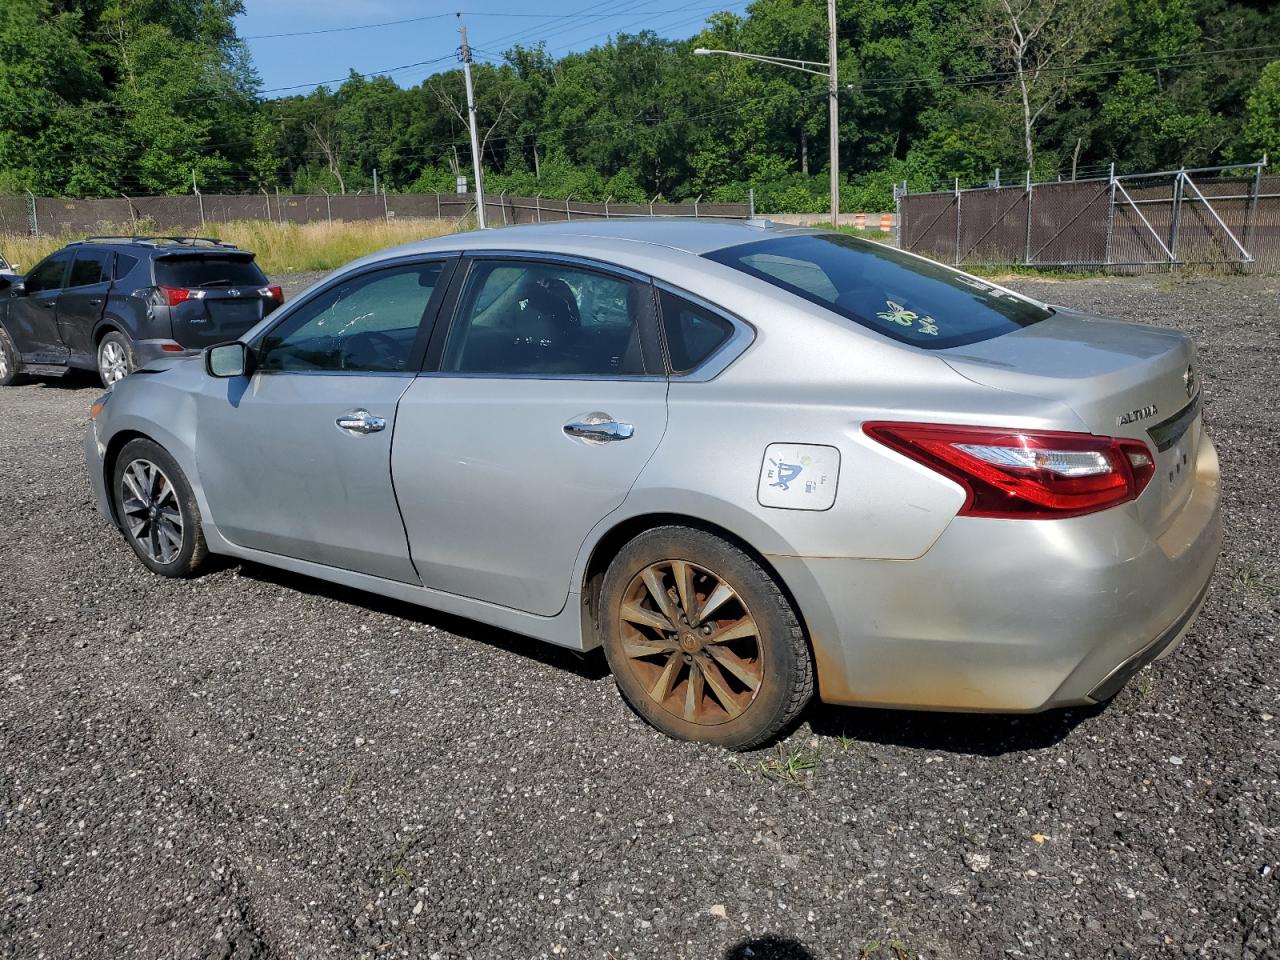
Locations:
{"points": [[112, 304]]}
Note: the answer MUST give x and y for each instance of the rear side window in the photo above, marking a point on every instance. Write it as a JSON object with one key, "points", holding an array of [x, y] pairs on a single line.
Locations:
{"points": [[124, 265], [208, 271], [91, 266], [693, 333], [908, 299]]}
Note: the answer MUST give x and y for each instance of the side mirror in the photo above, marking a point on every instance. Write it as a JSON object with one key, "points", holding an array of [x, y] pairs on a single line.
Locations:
{"points": [[15, 267], [19, 288], [226, 360]]}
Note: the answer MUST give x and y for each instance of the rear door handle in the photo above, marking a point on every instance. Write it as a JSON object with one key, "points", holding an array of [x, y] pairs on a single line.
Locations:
{"points": [[94, 303], [599, 428], [360, 421]]}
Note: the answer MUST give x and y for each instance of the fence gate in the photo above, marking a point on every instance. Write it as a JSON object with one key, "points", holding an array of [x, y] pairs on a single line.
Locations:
{"points": [[1215, 215]]}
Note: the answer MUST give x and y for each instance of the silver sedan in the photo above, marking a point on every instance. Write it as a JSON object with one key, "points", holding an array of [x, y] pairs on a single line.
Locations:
{"points": [[752, 463]]}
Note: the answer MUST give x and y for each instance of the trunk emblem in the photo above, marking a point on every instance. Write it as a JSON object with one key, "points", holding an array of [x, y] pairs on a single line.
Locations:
{"points": [[233, 293], [1189, 380], [1133, 416]]}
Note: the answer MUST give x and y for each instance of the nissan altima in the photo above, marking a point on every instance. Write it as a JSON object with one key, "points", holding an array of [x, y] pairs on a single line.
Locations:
{"points": [[755, 464]]}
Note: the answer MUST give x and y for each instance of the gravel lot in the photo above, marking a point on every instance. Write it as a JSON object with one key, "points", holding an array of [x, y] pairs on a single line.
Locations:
{"points": [[257, 765]]}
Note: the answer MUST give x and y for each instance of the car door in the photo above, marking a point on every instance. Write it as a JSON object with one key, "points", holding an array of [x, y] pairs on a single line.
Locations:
{"points": [[33, 316], [295, 458], [546, 401], [84, 298]]}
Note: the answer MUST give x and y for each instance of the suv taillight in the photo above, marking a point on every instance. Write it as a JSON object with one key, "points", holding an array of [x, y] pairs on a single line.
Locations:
{"points": [[172, 296], [1025, 474], [272, 293]]}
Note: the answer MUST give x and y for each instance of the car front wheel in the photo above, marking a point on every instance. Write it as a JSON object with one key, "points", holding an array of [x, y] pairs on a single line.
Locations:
{"points": [[115, 358], [701, 640], [10, 363], [157, 510]]}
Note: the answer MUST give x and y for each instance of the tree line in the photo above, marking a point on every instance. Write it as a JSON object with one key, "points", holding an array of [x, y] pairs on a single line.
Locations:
{"points": [[102, 97]]}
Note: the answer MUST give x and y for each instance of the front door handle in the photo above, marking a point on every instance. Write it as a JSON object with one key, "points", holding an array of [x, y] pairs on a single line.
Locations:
{"points": [[361, 421], [599, 428]]}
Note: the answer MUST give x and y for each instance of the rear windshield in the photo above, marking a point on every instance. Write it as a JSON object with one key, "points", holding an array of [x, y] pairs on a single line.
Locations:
{"points": [[911, 300], [208, 271]]}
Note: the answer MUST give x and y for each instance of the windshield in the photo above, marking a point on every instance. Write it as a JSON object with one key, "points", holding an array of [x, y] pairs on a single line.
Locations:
{"points": [[912, 300], [206, 271]]}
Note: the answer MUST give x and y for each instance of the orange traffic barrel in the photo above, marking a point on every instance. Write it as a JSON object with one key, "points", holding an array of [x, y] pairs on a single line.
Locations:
{"points": [[886, 223], [860, 221]]}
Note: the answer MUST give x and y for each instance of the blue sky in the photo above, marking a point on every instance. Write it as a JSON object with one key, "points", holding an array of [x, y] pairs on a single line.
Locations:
{"points": [[295, 64]]}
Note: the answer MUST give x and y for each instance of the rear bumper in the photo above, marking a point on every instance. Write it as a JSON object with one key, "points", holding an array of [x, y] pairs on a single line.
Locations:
{"points": [[145, 351], [1011, 615]]}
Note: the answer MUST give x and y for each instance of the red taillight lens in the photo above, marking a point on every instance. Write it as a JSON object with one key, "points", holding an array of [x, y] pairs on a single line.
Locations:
{"points": [[274, 293], [174, 295], [1025, 474]]}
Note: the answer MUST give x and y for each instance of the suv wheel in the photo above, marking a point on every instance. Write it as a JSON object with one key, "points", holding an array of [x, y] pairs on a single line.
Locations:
{"points": [[115, 358], [157, 510], [10, 363], [702, 642]]}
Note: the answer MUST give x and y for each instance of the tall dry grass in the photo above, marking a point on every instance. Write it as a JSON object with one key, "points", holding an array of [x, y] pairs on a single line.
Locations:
{"points": [[281, 247]]}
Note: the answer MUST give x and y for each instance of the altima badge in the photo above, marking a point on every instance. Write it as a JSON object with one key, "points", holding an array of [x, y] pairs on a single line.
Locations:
{"points": [[1133, 416]]}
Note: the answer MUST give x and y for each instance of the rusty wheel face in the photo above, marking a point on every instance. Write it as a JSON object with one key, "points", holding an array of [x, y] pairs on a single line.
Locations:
{"points": [[690, 642]]}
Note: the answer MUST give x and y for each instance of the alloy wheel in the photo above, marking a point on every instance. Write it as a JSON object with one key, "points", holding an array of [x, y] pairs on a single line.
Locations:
{"points": [[4, 359], [151, 512], [113, 362], [691, 642]]}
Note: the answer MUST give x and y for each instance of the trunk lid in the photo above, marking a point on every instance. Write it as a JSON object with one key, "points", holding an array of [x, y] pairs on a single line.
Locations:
{"points": [[1120, 379]]}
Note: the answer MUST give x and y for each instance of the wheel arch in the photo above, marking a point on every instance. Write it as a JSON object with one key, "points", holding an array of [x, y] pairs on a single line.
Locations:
{"points": [[109, 458]]}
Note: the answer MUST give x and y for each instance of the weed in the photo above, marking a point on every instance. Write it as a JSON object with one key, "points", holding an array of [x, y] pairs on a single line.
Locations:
{"points": [[1246, 579], [1145, 684], [795, 768]]}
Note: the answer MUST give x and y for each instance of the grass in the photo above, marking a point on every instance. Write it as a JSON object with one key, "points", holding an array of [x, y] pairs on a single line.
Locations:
{"points": [[281, 247], [794, 768]]}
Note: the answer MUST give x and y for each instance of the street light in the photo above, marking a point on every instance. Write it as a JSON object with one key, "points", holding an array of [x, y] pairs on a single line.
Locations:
{"points": [[833, 86]]}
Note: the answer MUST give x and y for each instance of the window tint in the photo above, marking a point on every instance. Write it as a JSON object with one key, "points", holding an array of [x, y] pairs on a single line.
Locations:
{"points": [[368, 323], [48, 275], [91, 266], [208, 271], [543, 318], [693, 333], [124, 264], [911, 300]]}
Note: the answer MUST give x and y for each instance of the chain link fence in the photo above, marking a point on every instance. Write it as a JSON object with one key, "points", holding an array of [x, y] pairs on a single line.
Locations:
{"points": [[52, 216], [1215, 215]]}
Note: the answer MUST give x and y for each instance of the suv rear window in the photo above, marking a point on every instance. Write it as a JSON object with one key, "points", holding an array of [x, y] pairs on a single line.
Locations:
{"points": [[909, 299], [207, 271]]}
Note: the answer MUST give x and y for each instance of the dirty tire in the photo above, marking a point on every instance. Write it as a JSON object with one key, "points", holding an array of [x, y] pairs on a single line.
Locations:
{"points": [[116, 359], [777, 658], [192, 552], [10, 362]]}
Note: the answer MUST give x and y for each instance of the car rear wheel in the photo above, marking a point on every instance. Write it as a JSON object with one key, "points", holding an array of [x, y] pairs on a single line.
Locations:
{"points": [[157, 510], [115, 358], [701, 640], [10, 363]]}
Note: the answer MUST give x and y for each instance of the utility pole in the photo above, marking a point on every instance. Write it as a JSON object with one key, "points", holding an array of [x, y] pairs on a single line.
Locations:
{"points": [[833, 95], [464, 53]]}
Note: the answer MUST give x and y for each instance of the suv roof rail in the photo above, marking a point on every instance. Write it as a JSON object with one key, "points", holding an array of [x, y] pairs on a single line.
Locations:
{"points": [[161, 241]]}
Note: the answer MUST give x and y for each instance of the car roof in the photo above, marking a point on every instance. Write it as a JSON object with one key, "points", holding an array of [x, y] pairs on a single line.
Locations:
{"points": [[195, 245], [683, 234]]}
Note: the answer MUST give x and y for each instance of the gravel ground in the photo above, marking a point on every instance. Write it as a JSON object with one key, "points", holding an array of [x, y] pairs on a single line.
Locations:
{"points": [[257, 765]]}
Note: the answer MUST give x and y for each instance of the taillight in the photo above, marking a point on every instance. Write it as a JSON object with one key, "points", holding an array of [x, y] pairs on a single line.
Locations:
{"points": [[1025, 474], [175, 295], [272, 293]]}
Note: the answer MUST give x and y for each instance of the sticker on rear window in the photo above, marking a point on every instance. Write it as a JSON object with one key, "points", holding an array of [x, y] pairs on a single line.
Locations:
{"points": [[903, 317], [798, 476]]}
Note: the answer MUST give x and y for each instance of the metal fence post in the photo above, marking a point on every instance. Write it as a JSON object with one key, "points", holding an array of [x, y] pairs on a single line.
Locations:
{"points": [[751, 201], [1176, 226], [1111, 217], [1251, 213], [267, 197], [1026, 256], [33, 217], [957, 256], [502, 202], [328, 203], [695, 206], [537, 206], [386, 210], [568, 214]]}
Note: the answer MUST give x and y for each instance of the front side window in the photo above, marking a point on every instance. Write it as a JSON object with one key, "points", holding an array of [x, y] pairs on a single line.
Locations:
{"points": [[912, 300], [545, 319], [91, 266], [48, 275], [367, 324]]}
